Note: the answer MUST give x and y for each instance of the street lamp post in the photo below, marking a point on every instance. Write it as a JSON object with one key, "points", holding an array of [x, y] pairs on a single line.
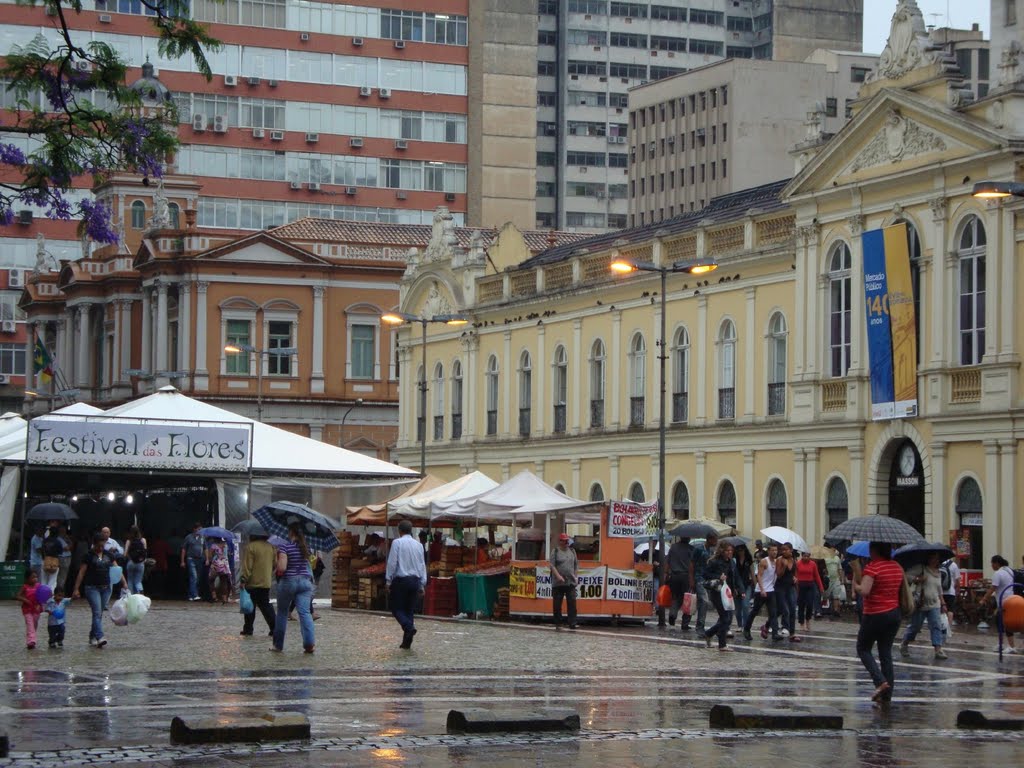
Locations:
{"points": [[341, 436], [997, 190], [249, 349], [629, 266], [399, 318]]}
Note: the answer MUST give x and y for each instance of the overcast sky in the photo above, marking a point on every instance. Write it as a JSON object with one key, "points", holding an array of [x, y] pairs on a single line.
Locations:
{"points": [[961, 14]]}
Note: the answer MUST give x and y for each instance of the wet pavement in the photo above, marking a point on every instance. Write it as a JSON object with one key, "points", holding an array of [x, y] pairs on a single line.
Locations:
{"points": [[643, 694]]}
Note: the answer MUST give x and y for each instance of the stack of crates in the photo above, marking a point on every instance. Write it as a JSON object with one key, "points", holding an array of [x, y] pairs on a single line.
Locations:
{"points": [[451, 560], [342, 587], [501, 606], [440, 597]]}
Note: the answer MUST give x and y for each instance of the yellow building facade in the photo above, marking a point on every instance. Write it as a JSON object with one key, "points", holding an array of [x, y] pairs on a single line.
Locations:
{"points": [[768, 396]]}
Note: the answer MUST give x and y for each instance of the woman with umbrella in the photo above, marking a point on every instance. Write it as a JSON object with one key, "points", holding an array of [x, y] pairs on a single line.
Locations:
{"points": [[257, 575], [926, 582], [879, 583], [295, 584], [719, 575]]}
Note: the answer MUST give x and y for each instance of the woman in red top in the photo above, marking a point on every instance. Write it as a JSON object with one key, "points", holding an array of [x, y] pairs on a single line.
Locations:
{"points": [[809, 586], [879, 585]]}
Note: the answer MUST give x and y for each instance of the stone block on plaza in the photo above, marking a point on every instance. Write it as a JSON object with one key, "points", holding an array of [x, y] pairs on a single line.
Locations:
{"points": [[785, 719], [508, 721], [260, 727], [5, 744], [993, 721]]}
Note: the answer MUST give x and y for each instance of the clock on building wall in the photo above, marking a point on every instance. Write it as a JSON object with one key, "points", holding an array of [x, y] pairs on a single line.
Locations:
{"points": [[906, 462]]}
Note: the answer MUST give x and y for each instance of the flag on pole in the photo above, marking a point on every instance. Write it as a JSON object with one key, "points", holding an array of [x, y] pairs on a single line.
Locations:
{"points": [[42, 363]]}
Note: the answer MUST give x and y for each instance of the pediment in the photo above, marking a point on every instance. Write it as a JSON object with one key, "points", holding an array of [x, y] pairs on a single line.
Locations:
{"points": [[896, 132], [261, 248]]}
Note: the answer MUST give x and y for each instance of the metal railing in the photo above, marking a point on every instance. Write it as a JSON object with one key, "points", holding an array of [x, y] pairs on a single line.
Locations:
{"points": [[524, 422], [727, 403], [456, 426], [680, 407], [596, 414], [559, 418], [636, 412], [492, 422], [777, 399], [420, 429], [439, 427]]}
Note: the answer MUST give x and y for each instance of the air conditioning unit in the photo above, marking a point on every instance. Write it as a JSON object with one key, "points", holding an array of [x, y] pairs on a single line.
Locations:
{"points": [[16, 279], [365, 90], [198, 122], [313, 186], [25, 217], [449, 197], [613, 139], [312, 138], [355, 141], [106, 18], [272, 83], [9, 326], [4, 378], [385, 93], [277, 135], [257, 133], [254, 81], [400, 195], [622, 139], [671, 139], [220, 124], [401, 144], [83, 66], [350, 190], [231, 80], [304, 37], [296, 185], [399, 43], [357, 41]]}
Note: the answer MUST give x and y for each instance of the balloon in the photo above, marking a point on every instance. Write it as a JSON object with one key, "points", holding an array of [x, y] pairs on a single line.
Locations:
{"points": [[43, 593]]}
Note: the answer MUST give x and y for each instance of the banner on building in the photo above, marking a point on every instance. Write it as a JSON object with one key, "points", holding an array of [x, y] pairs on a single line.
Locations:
{"points": [[891, 323], [629, 519], [630, 585], [139, 446]]}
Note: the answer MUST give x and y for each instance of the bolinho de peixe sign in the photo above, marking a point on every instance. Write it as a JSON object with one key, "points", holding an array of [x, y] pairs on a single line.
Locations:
{"points": [[134, 445]]}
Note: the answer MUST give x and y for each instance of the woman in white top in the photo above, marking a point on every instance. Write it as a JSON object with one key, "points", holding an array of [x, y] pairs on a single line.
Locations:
{"points": [[1002, 582], [926, 583]]}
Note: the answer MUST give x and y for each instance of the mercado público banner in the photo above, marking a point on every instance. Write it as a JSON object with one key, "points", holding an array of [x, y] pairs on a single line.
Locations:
{"points": [[628, 519], [891, 334], [138, 445]]}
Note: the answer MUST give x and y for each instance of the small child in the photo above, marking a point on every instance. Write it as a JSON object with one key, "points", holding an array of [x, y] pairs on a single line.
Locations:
{"points": [[30, 607], [57, 606]]}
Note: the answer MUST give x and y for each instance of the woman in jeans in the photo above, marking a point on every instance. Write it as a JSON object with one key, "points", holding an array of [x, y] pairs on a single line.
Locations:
{"points": [[718, 574], [807, 578], [745, 580], [879, 584], [136, 551], [95, 572], [925, 580], [295, 584]]}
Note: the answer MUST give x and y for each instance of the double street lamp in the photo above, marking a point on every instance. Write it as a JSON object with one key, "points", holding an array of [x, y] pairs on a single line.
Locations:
{"points": [[249, 349], [400, 318], [997, 190], [629, 266]]}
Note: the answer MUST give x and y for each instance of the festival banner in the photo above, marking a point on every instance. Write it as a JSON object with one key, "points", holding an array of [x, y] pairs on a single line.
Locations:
{"points": [[879, 333], [628, 519], [590, 583], [522, 582], [902, 320], [630, 585]]}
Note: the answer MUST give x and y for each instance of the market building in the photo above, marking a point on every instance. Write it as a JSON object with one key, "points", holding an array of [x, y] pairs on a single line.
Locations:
{"points": [[771, 413]]}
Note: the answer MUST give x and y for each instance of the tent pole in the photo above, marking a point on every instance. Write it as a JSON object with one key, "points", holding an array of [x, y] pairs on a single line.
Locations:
{"points": [[24, 489]]}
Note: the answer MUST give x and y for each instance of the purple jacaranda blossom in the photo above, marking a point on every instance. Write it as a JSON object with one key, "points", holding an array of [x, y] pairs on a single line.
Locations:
{"points": [[11, 155], [96, 221]]}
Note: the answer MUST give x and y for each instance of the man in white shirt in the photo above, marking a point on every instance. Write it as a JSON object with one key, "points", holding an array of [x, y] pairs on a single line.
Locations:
{"points": [[406, 578], [949, 589], [110, 545]]}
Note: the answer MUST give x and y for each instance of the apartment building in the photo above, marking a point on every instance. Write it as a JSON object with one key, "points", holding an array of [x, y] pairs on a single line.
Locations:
{"points": [[971, 51], [730, 126], [592, 52]]}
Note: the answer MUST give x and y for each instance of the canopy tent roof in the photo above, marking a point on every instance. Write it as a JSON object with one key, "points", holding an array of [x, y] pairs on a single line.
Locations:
{"points": [[13, 429], [377, 514], [425, 505], [525, 494], [79, 409]]}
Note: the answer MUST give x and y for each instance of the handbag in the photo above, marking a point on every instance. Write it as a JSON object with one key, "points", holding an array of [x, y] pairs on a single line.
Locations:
{"points": [[664, 596], [689, 603], [51, 564], [906, 598], [728, 603], [245, 604]]}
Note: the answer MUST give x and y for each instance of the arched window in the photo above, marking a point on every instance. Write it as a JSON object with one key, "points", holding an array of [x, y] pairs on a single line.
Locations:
{"points": [[492, 395], [456, 400], [727, 370], [777, 365], [596, 492], [837, 505], [421, 426], [439, 402], [971, 256], [636, 493], [777, 503], [637, 379], [680, 501], [680, 376], [525, 393], [839, 290], [138, 214], [597, 360], [970, 511], [174, 214], [727, 504], [561, 384]]}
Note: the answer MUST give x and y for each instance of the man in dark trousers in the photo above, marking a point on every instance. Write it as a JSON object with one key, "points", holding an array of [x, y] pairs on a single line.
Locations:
{"points": [[406, 578], [680, 579], [564, 570]]}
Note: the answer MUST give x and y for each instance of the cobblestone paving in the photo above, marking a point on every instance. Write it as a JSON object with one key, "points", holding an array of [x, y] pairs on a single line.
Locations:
{"points": [[643, 695]]}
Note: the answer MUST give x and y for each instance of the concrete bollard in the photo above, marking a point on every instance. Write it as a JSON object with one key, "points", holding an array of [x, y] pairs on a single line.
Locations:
{"points": [[997, 721], [796, 719], [498, 721], [261, 727]]}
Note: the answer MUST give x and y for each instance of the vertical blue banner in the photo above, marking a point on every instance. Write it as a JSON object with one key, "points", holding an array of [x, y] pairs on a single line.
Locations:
{"points": [[879, 330]]}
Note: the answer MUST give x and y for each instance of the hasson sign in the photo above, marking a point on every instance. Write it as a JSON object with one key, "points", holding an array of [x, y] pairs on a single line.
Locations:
{"points": [[133, 445]]}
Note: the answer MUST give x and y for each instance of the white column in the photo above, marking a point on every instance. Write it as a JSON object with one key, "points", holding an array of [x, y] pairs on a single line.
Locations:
{"points": [[116, 366], [940, 274], [1008, 539], [936, 528], [613, 478], [538, 409], [146, 362], [1007, 308], [316, 384], [506, 386], [747, 519], [699, 509], [574, 479], [616, 370], [812, 517], [752, 379], [202, 373], [858, 319], [993, 293], [185, 330], [67, 350], [125, 305], [160, 363], [701, 371], [991, 544], [856, 500], [576, 394], [470, 378], [796, 503], [84, 346], [58, 346]]}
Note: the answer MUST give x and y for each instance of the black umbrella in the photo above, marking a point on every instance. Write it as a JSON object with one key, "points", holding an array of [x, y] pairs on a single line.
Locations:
{"points": [[737, 541], [318, 529], [880, 528], [51, 510], [250, 528], [693, 531], [917, 554]]}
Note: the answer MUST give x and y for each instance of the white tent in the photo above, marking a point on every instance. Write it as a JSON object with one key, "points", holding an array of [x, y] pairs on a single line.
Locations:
{"points": [[524, 495], [12, 438], [424, 505]]}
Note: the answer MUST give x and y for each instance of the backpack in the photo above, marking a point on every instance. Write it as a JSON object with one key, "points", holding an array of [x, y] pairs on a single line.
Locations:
{"points": [[52, 547], [945, 577], [137, 551]]}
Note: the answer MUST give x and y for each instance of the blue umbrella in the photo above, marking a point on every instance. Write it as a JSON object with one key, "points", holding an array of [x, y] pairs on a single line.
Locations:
{"points": [[859, 549], [216, 532], [319, 530]]}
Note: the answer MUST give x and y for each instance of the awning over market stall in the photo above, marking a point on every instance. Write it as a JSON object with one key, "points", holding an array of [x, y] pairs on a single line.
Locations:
{"points": [[426, 505], [523, 495], [377, 514]]}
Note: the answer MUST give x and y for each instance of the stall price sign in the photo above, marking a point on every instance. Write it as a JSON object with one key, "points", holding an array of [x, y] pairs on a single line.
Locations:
{"points": [[522, 582], [627, 519], [543, 582], [631, 585], [590, 584]]}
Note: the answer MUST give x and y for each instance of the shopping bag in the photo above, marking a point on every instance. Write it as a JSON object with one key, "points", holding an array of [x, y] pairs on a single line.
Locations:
{"points": [[245, 601], [728, 603], [119, 612], [116, 572], [689, 604], [664, 596], [945, 626], [136, 606]]}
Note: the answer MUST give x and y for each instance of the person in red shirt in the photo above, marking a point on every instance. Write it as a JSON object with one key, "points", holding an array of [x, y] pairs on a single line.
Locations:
{"points": [[807, 579], [879, 584]]}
